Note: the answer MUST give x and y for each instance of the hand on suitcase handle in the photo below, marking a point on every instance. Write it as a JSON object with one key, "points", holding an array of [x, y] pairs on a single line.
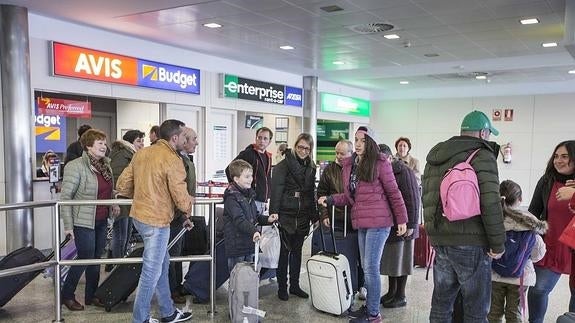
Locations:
{"points": [[69, 233], [188, 224]]}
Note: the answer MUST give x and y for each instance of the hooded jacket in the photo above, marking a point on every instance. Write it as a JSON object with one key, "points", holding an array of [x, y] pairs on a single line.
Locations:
{"points": [[120, 156], [262, 173], [487, 228], [518, 220], [376, 204], [331, 182], [293, 193], [240, 220]]}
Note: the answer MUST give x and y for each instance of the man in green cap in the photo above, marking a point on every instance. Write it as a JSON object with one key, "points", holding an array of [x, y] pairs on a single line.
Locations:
{"points": [[464, 248]]}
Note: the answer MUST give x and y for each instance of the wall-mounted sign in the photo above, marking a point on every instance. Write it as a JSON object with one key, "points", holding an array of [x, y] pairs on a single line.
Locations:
{"points": [[508, 115], [50, 132], [344, 104], [496, 115], [246, 89], [66, 108], [84, 63]]}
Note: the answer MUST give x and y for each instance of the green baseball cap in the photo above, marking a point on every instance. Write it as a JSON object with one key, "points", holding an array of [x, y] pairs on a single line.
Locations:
{"points": [[477, 120]]}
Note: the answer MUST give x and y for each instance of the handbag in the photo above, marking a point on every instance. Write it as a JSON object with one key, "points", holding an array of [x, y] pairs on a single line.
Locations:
{"points": [[270, 245], [567, 237]]}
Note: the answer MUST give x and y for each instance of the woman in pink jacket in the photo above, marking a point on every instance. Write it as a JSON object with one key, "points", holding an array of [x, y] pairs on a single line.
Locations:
{"points": [[376, 204]]}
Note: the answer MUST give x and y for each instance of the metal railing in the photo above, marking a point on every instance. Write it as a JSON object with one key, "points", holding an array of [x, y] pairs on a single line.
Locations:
{"points": [[57, 263]]}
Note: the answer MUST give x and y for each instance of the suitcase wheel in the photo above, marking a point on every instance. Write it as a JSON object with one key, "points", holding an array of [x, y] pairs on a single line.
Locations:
{"points": [[108, 309]]}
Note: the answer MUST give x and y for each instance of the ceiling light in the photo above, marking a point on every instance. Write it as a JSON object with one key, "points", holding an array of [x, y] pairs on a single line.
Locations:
{"points": [[481, 77], [571, 72], [529, 21], [287, 47], [549, 45], [338, 63], [404, 82], [431, 55], [391, 36], [212, 25]]}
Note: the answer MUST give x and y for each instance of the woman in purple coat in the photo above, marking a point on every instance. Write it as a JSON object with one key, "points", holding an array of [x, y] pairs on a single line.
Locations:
{"points": [[376, 204]]}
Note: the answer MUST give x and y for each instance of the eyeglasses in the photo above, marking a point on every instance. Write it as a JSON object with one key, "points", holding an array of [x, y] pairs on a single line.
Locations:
{"points": [[303, 148]]}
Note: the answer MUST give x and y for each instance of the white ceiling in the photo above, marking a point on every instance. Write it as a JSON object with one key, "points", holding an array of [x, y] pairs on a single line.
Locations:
{"points": [[468, 35]]}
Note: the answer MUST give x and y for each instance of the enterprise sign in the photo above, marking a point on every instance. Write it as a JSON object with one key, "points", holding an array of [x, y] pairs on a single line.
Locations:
{"points": [[89, 64], [246, 89]]}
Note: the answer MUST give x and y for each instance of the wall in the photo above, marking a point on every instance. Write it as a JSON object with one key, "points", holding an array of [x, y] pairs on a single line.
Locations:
{"points": [[137, 115], [539, 123]]}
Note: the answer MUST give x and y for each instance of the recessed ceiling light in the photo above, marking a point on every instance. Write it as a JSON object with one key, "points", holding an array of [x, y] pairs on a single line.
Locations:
{"points": [[481, 77], [571, 72], [431, 55], [529, 21], [212, 25], [287, 47], [391, 36], [338, 63], [549, 45], [403, 82]]}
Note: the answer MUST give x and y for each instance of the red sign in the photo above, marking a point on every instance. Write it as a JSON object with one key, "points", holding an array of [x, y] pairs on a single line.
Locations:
{"points": [[91, 64], [496, 115], [68, 108]]}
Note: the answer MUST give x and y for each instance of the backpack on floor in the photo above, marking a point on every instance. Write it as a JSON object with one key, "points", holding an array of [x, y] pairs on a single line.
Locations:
{"points": [[518, 247], [459, 191]]}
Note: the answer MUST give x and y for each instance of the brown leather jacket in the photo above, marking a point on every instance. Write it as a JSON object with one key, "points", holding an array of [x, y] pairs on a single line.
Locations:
{"points": [[156, 180]]}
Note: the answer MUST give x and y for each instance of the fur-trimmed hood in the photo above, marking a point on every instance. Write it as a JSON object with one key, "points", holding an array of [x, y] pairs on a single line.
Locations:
{"points": [[516, 219], [122, 144]]}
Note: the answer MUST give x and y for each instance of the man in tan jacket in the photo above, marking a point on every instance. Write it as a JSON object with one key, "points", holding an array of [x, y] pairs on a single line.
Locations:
{"points": [[156, 180]]}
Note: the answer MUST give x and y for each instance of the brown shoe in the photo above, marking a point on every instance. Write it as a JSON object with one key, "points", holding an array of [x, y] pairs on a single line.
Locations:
{"points": [[178, 299], [73, 305], [96, 302]]}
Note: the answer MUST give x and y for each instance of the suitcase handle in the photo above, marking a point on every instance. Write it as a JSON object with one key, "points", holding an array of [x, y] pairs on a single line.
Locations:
{"points": [[256, 254], [178, 237], [332, 235], [62, 245]]}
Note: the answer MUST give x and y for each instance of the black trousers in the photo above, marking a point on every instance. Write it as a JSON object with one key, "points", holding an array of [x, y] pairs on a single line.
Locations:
{"points": [[175, 275], [290, 255]]}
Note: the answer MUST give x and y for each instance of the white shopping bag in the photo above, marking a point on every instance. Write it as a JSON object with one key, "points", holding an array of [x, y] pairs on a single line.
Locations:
{"points": [[270, 245]]}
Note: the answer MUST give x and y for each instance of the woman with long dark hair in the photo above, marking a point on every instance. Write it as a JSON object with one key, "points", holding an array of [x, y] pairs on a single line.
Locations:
{"points": [[545, 206], [376, 203]]}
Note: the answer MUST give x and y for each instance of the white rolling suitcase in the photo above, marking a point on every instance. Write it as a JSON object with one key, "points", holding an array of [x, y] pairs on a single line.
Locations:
{"points": [[329, 280]]}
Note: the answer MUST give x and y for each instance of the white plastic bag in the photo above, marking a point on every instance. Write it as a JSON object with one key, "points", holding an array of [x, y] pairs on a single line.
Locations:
{"points": [[270, 245]]}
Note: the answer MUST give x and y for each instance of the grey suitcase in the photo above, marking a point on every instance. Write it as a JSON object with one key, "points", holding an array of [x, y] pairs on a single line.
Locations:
{"points": [[243, 293], [329, 280], [568, 317]]}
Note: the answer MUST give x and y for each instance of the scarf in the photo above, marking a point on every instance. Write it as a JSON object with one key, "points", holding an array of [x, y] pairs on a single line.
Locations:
{"points": [[100, 166]]}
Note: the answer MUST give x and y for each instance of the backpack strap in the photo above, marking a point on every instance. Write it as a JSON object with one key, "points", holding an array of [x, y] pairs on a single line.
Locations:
{"points": [[468, 160]]}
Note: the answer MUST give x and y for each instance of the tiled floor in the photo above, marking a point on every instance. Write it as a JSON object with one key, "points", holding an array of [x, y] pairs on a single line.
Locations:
{"points": [[35, 304]]}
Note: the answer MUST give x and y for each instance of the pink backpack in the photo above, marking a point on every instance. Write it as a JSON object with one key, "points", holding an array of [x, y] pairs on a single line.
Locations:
{"points": [[459, 191]]}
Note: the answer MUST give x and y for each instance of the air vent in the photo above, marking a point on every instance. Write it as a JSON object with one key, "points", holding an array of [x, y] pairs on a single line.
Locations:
{"points": [[371, 28], [431, 55], [333, 8]]}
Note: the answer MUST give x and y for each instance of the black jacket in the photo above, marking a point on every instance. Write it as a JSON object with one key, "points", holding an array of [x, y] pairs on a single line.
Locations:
{"points": [[538, 205], [407, 184], [330, 183], [240, 220], [262, 172], [73, 151], [293, 193]]}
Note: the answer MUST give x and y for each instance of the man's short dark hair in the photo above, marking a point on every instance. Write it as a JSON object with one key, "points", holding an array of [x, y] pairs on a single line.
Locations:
{"points": [[155, 130], [265, 129], [171, 128], [131, 135], [83, 128]]}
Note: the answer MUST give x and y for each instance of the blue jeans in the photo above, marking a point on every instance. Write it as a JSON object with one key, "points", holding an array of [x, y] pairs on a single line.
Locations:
{"points": [[121, 232], [232, 261], [90, 244], [466, 269], [538, 295], [371, 242], [154, 278]]}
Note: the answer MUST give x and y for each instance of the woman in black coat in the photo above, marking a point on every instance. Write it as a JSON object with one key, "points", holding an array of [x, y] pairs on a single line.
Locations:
{"points": [[293, 199]]}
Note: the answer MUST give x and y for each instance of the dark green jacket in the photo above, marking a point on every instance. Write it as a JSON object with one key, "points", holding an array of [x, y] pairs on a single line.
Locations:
{"points": [[484, 230]]}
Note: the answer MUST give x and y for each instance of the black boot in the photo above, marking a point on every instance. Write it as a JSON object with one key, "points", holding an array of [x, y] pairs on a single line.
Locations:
{"points": [[391, 290], [297, 291]]}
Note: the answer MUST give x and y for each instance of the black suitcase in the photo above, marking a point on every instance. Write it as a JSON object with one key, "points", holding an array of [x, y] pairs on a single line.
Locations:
{"points": [[11, 285], [123, 280]]}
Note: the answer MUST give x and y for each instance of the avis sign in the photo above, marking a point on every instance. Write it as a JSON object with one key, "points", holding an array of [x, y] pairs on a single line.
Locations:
{"points": [[84, 63], [246, 89]]}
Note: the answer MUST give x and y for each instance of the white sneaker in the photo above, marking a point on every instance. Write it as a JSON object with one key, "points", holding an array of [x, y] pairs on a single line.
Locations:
{"points": [[362, 295], [151, 320]]}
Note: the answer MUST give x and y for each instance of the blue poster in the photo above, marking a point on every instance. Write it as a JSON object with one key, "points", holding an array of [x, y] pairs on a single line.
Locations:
{"points": [[50, 132]]}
